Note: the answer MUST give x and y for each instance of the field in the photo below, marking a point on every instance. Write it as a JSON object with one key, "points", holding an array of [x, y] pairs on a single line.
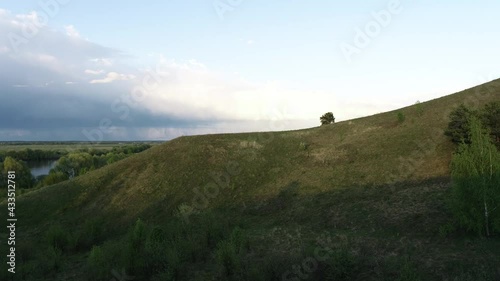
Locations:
{"points": [[372, 192]]}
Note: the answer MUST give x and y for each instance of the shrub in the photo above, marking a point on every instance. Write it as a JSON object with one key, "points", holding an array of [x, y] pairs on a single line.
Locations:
{"points": [[136, 256], [230, 253], [91, 233], [156, 245], [97, 264], [401, 117], [51, 260], [57, 238]]}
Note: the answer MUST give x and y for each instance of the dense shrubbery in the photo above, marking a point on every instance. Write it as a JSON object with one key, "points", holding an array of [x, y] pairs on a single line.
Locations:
{"points": [[459, 126]]}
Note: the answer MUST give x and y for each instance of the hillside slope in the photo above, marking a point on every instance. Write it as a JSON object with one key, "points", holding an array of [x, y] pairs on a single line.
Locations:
{"points": [[374, 181]]}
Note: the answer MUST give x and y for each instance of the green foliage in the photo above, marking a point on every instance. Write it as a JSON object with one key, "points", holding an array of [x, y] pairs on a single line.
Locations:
{"points": [[74, 164], [327, 118], [52, 259], [57, 238], [156, 247], [31, 155], [491, 118], [136, 254], [476, 182], [54, 177], [23, 179], [96, 264], [458, 127], [401, 117], [230, 253], [91, 234], [304, 145]]}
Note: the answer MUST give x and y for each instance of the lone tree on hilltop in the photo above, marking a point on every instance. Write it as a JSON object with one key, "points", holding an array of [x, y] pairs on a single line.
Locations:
{"points": [[327, 118]]}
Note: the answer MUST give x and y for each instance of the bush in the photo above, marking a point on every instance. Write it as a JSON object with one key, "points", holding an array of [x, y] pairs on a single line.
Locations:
{"points": [[96, 264], [401, 117], [230, 253], [51, 260], [156, 246], [136, 256], [57, 237], [459, 127], [91, 234]]}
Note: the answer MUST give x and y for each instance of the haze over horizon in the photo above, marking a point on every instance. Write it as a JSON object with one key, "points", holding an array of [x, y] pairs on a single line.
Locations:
{"points": [[86, 70]]}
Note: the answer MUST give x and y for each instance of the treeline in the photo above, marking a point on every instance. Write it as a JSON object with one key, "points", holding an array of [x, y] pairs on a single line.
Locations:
{"points": [[31, 155], [86, 160], [68, 166]]}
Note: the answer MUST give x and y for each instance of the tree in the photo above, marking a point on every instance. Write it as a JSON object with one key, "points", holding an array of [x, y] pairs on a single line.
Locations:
{"points": [[24, 178], [476, 182], [491, 118], [74, 164], [327, 118], [458, 128]]}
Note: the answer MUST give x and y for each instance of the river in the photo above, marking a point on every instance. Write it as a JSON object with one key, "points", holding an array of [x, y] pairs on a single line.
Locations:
{"points": [[40, 168]]}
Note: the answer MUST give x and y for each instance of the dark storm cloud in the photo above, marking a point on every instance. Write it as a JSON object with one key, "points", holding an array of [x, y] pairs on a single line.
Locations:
{"points": [[46, 91]]}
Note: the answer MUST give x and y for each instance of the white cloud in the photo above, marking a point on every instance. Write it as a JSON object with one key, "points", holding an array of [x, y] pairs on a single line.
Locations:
{"points": [[191, 90], [113, 76], [102, 61], [69, 83], [71, 31], [4, 49], [94, 72]]}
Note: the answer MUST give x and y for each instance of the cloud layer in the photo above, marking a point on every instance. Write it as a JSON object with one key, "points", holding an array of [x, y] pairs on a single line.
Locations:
{"points": [[56, 85]]}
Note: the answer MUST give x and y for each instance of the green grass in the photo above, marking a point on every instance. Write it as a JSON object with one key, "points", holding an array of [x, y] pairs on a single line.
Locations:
{"points": [[372, 191]]}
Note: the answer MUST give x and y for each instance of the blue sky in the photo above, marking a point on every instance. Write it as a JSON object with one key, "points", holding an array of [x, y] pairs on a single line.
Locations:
{"points": [[250, 65]]}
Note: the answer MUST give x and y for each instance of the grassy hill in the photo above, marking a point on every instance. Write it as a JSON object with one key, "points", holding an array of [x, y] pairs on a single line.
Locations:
{"points": [[372, 191]]}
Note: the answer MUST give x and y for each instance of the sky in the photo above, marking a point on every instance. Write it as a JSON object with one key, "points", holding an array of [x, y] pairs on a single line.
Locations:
{"points": [[155, 70]]}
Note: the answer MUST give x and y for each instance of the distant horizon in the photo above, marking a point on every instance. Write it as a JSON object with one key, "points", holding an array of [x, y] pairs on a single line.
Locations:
{"points": [[233, 132]]}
